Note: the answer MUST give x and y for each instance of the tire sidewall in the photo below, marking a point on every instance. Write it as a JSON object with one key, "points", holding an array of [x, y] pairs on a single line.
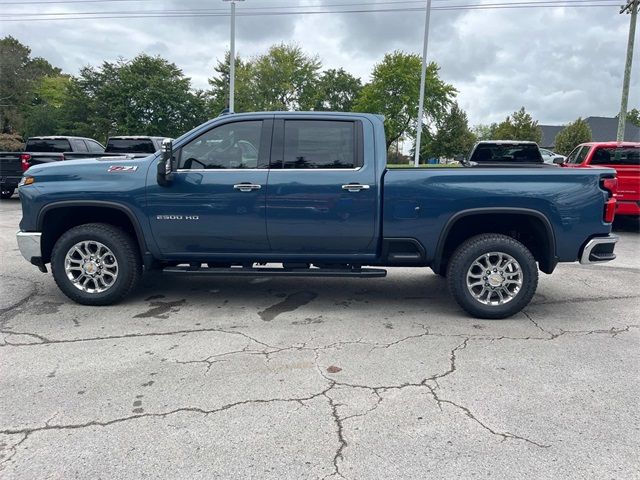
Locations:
{"points": [[503, 244], [87, 233]]}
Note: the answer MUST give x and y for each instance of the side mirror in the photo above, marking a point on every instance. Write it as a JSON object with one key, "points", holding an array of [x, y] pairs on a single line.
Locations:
{"points": [[165, 164], [558, 160]]}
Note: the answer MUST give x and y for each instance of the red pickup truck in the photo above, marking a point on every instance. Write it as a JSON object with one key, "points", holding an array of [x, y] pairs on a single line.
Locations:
{"points": [[624, 157]]}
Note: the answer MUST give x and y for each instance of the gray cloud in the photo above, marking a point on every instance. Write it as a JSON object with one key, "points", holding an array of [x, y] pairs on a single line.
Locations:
{"points": [[558, 63]]}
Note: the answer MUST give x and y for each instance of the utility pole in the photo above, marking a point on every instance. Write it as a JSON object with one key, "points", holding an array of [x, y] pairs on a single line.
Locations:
{"points": [[631, 7], [425, 42], [232, 55]]}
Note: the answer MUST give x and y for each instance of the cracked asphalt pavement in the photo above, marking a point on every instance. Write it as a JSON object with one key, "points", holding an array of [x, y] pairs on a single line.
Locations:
{"points": [[319, 378]]}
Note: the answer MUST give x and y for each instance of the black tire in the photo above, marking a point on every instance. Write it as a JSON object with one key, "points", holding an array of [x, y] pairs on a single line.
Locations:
{"points": [[124, 249], [7, 193], [474, 248]]}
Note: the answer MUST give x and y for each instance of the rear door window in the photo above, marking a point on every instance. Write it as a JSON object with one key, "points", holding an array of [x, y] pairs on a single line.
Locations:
{"points": [[79, 146], [313, 144], [582, 154], [48, 145], [94, 147], [616, 156]]}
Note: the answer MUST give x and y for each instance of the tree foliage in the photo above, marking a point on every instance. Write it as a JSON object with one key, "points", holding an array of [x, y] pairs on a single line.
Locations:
{"points": [[518, 126], [336, 91], [571, 136], [484, 131], [633, 116], [149, 95], [144, 96], [19, 75], [394, 92], [453, 136], [284, 78]]}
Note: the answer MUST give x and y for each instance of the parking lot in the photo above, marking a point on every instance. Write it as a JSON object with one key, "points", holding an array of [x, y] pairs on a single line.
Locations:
{"points": [[319, 378]]}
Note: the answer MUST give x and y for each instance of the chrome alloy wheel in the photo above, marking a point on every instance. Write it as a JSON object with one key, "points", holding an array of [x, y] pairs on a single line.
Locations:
{"points": [[494, 278], [91, 266]]}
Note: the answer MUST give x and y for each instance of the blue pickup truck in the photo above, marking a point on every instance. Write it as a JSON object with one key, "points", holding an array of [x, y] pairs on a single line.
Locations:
{"points": [[309, 193]]}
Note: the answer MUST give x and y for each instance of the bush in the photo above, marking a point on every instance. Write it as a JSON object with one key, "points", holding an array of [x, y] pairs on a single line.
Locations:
{"points": [[571, 136]]}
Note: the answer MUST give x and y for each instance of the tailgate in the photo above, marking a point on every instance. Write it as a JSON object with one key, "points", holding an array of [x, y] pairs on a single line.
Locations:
{"points": [[628, 182], [10, 165]]}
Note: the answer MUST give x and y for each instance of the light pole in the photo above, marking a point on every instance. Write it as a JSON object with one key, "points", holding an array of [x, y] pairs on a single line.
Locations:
{"points": [[232, 55], [423, 75], [631, 7]]}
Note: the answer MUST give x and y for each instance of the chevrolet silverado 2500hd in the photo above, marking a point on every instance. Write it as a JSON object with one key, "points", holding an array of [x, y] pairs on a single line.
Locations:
{"points": [[310, 191]]}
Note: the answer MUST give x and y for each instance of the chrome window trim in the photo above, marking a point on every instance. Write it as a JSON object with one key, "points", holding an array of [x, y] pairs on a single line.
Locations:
{"points": [[212, 170]]}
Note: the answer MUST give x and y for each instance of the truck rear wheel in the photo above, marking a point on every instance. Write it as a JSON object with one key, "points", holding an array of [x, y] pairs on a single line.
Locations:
{"points": [[96, 264], [492, 276]]}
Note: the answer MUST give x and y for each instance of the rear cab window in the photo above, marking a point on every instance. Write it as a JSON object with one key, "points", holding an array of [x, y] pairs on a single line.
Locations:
{"points": [[616, 156], [128, 145], [319, 144], [506, 153], [48, 145]]}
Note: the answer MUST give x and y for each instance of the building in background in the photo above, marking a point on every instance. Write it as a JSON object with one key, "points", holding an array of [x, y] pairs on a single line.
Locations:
{"points": [[603, 129]]}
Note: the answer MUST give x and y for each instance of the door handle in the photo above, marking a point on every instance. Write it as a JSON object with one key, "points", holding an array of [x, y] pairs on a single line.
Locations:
{"points": [[247, 187], [355, 187]]}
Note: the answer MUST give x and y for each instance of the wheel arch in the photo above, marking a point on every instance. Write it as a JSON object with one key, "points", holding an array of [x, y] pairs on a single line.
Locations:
{"points": [[523, 224], [55, 218]]}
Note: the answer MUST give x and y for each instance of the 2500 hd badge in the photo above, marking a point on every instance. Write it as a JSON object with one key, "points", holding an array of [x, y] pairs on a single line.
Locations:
{"points": [[177, 217]]}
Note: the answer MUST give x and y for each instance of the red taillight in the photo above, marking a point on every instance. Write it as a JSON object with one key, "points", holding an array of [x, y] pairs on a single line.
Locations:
{"points": [[25, 161], [611, 186]]}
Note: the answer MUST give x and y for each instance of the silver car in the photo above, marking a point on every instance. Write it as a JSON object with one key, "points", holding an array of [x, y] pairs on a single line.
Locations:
{"points": [[548, 156]]}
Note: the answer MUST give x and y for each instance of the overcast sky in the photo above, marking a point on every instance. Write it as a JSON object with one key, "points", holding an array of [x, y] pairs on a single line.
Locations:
{"points": [[560, 63]]}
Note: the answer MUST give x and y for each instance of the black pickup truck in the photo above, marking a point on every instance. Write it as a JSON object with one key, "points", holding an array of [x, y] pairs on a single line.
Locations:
{"points": [[136, 145], [39, 150]]}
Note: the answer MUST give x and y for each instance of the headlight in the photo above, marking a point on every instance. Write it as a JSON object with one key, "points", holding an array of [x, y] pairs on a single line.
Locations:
{"points": [[26, 181]]}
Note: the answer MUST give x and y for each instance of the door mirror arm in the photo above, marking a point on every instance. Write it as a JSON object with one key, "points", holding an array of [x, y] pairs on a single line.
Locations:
{"points": [[165, 163]]}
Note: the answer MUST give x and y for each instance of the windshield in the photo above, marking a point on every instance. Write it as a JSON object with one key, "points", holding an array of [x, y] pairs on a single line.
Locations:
{"points": [[514, 153], [124, 145], [48, 145]]}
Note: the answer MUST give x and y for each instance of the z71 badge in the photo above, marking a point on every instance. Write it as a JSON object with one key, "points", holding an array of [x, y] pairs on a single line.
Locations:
{"points": [[122, 168]]}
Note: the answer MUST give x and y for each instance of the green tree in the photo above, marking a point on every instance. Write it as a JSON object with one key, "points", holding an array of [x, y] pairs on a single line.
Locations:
{"points": [[283, 79], [518, 126], [453, 136], [336, 91], [218, 95], [145, 96], [45, 114], [19, 74], [572, 135], [484, 131], [633, 116], [394, 92]]}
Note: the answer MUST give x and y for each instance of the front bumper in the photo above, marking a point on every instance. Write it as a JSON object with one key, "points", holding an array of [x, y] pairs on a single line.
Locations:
{"points": [[29, 245], [599, 249]]}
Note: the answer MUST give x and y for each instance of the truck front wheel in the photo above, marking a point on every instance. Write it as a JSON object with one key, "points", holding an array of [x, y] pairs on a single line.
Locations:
{"points": [[95, 264], [492, 276]]}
